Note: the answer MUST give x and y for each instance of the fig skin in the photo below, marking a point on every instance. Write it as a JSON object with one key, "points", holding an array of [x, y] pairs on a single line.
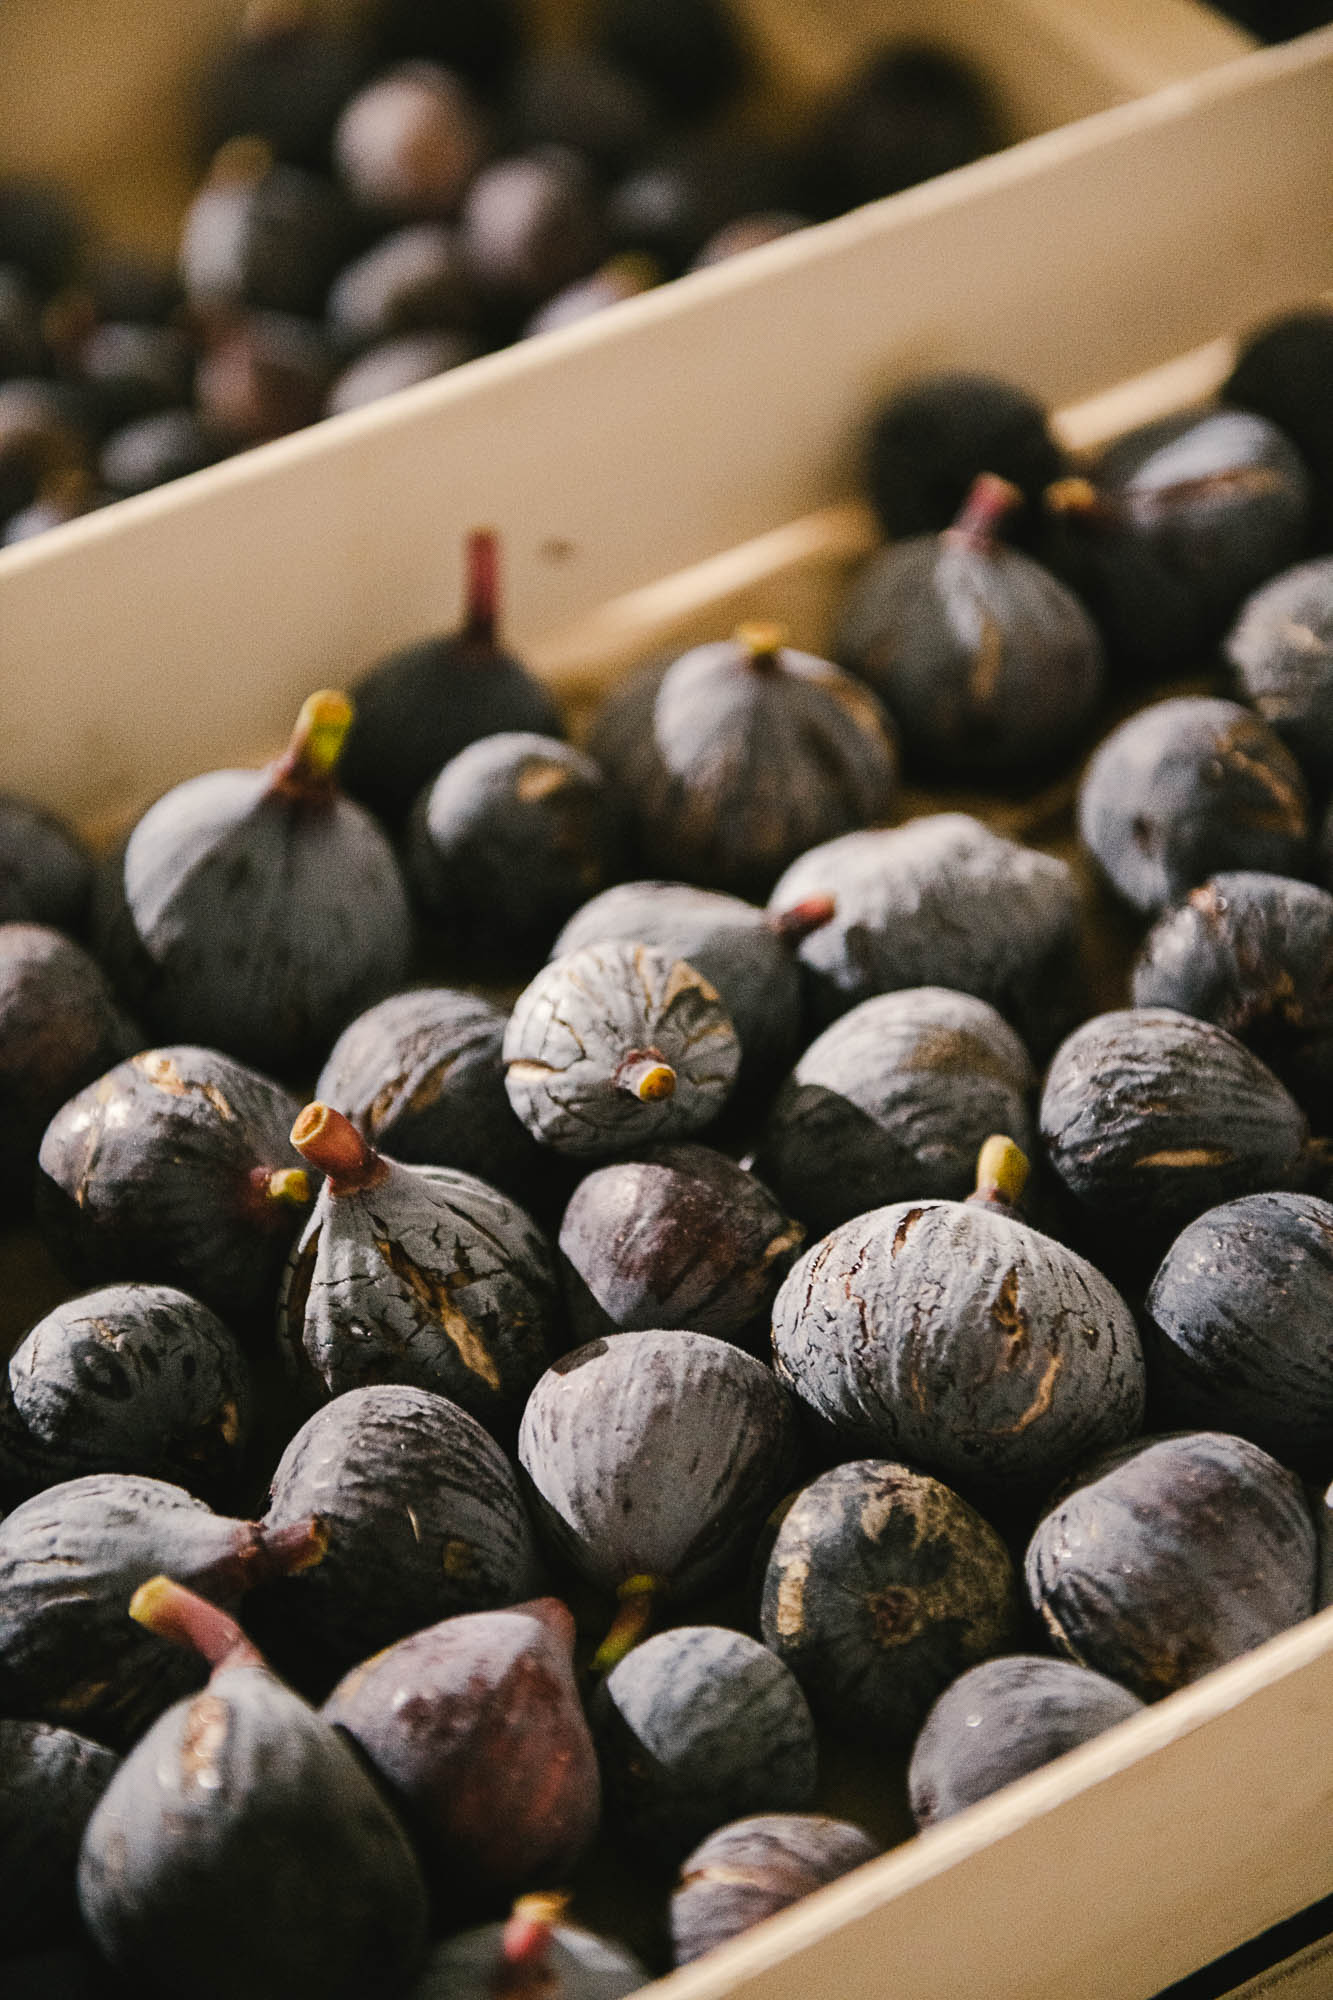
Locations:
{"points": [[1281, 652], [682, 1237], [1002, 1719], [895, 1100], [959, 1337], [1149, 1117], [50, 1780], [882, 1586], [131, 1378], [1172, 1556], [1241, 1315], [425, 1520], [941, 901], [45, 872], [407, 144], [1185, 789], [476, 1728], [930, 438], [415, 280], [696, 1726], [163, 1171], [1282, 372], [570, 1964], [753, 1868], [263, 235]]}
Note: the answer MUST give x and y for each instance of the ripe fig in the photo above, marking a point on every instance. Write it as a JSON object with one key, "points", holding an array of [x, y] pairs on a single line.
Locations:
{"points": [[1281, 652], [262, 234], [909, 111], [283, 77], [45, 872], [415, 280], [397, 364], [1282, 373], [409, 142], [534, 1956], [929, 439], [531, 224], [1147, 611], [50, 1780], [476, 1727], [752, 1869]]}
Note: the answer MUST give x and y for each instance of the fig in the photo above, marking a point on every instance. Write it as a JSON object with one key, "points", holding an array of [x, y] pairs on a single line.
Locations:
{"points": [[534, 1956], [45, 871], [397, 364], [575, 96], [153, 449], [261, 234], [927, 442], [261, 375], [283, 77], [531, 224], [909, 111], [1281, 652], [1282, 373], [50, 1780], [690, 60], [415, 280], [753, 1868], [409, 142]]}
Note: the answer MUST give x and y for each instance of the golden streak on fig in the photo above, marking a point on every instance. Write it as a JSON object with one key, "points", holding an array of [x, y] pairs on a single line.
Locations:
{"points": [[539, 780], [1188, 1156], [791, 1598], [289, 1184]]}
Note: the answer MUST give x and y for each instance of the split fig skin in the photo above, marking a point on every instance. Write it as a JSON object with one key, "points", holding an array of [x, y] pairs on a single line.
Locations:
{"points": [[50, 1780], [753, 1868], [1002, 1719], [476, 1727], [1171, 1557], [882, 1586]]}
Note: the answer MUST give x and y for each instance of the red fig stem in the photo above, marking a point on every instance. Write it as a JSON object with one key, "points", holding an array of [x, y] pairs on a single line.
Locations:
{"points": [[332, 1143], [481, 591], [989, 501], [307, 767], [175, 1613], [299, 1546], [638, 1597], [643, 1074], [1002, 1173], [793, 926]]}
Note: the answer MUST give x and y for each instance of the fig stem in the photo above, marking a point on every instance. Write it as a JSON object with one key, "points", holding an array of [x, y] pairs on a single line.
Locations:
{"points": [[793, 926], [300, 1546], [332, 1143], [638, 1597], [526, 1938], [1002, 1172], [181, 1615], [290, 1185], [1075, 495], [762, 639], [481, 588], [306, 767], [644, 1075], [989, 501]]}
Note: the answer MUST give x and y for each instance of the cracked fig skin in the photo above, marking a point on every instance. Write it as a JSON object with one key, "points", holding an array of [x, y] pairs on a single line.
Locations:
{"points": [[616, 1045], [959, 1337]]}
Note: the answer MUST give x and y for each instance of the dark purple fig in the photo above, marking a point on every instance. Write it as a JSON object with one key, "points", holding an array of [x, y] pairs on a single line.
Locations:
{"points": [[45, 871], [1002, 1719], [65, 496], [958, 1336], [754, 753], [420, 1275], [41, 230], [415, 280], [146, 453], [70, 1560], [59, 1028], [895, 1101], [534, 1956], [1171, 1557], [567, 95], [424, 1519], [984, 660], [196, 1870], [531, 225], [260, 911], [1281, 651], [43, 434], [133, 1378], [176, 1166], [674, 201], [262, 235], [418, 707], [654, 1458], [615, 1046], [476, 1727], [1147, 612], [421, 1076], [409, 143], [134, 369], [515, 833], [941, 901], [1241, 1311], [620, 278], [910, 111], [397, 364], [50, 1780], [262, 376], [748, 955], [752, 1869], [690, 58], [695, 1727], [1253, 953], [481, 39], [1185, 789], [22, 349], [930, 438], [1282, 372], [881, 1588], [747, 232], [1149, 1117], [681, 1237], [283, 77]]}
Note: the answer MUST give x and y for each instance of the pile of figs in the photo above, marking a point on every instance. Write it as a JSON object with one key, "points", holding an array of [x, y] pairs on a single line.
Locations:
{"points": [[623, 1325]]}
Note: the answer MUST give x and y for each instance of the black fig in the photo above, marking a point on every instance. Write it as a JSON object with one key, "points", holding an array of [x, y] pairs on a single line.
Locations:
{"points": [[910, 111], [531, 224], [409, 142], [752, 1869], [45, 871], [534, 1956], [690, 59], [283, 78], [50, 1780], [414, 280], [397, 364], [263, 235], [1281, 651], [1283, 371], [928, 441]]}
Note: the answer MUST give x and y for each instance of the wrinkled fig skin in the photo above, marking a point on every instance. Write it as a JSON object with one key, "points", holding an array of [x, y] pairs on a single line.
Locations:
{"points": [[196, 1872], [1185, 789], [1171, 1557], [752, 759], [133, 1378], [955, 1335], [45, 874], [421, 1077], [941, 901], [50, 1780], [895, 1100], [734, 944], [59, 1028], [424, 1516], [931, 438], [70, 1560], [882, 1587], [1253, 953], [1281, 651], [575, 1966], [256, 922], [682, 1237], [428, 1277], [585, 1016], [146, 1174], [516, 832], [1001, 1720], [752, 1869], [476, 1727], [1149, 1117], [985, 661], [656, 1454], [695, 1727], [1242, 1310]]}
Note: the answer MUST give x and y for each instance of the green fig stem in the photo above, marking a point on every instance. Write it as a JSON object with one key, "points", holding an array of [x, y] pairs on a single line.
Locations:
{"points": [[481, 587], [638, 1597], [644, 1075], [762, 640], [990, 500], [332, 1143], [280, 1187], [1077, 497], [1002, 1173], [793, 926], [307, 767], [181, 1615]]}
